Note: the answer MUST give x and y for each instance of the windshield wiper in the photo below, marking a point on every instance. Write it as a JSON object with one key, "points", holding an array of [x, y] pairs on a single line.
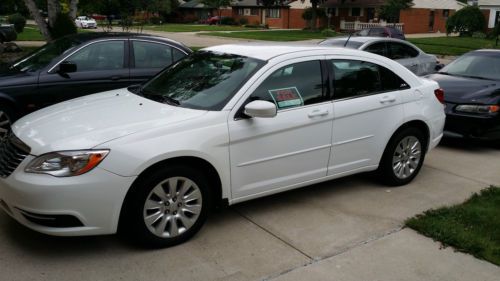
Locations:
{"points": [[157, 97]]}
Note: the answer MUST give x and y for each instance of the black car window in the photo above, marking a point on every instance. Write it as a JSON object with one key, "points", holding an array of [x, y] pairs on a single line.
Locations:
{"points": [[152, 55], [177, 54], [377, 48], [354, 78], [293, 85], [106, 55], [377, 32], [485, 65], [401, 51]]}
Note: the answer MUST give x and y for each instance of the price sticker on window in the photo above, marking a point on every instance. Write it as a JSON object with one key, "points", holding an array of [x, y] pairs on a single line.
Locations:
{"points": [[286, 97]]}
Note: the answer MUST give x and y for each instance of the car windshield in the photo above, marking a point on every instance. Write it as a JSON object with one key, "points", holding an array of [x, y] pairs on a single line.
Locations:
{"points": [[341, 43], [205, 80], [44, 55], [475, 65]]}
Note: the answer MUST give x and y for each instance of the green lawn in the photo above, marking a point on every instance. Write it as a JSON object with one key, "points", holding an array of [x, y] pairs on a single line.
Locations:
{"points": [[32, 33], [453, 46], [171, 27], [272, 35], [472, 227]]}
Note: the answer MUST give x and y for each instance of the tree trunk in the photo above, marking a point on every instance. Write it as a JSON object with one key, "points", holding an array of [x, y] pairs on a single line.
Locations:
{"points": [[40, 21], [53, 8], [73, 7], [314, 16]]}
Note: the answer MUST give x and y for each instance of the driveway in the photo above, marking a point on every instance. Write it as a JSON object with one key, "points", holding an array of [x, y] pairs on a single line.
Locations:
{"points": [[346, 229]]}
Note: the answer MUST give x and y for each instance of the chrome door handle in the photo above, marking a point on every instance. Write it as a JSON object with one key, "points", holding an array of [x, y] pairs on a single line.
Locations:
{"points": [[385, 99], [317, 113]]}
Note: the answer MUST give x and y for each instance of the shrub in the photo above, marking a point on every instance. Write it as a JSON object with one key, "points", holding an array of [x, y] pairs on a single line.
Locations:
{"points": [[307, 14], [62, 26], [466, 21], [243, 21], [328, 32], [479, 34], [18, 21], [228, 21], [156, 20]]}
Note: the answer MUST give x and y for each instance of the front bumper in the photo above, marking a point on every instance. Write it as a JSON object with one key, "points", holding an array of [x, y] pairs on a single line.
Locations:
{"points": [[471, 126], [94, 199]]}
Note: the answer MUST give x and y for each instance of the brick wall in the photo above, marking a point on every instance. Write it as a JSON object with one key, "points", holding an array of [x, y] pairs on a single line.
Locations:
{"points": [[417, 20], [486, 14]]}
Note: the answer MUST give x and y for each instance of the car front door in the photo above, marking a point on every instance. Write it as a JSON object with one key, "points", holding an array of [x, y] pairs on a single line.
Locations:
{"points": [[368, 107], [100, 66], [294, 146], [148, 58]]}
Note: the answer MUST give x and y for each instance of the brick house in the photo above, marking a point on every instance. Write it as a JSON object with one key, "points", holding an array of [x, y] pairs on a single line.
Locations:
{"points": [[196, 11], [256, 14], [491, 11]]}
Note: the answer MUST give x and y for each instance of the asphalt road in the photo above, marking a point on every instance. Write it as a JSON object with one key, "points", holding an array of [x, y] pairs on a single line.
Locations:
{"points": [[346, 229]]}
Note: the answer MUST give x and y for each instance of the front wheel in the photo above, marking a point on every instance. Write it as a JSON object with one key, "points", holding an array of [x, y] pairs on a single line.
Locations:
{"points": [[167, 207], [403, 157]]}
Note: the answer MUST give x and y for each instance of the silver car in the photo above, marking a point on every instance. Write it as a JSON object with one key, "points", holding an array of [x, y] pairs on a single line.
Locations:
{"points": [[401, 51]]}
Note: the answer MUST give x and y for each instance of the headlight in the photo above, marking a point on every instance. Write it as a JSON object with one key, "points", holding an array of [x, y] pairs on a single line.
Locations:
{"points": [[66, 163], [479, 109]]}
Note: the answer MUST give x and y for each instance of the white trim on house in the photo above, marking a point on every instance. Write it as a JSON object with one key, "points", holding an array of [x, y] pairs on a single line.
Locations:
{"points": [[438, 4]]}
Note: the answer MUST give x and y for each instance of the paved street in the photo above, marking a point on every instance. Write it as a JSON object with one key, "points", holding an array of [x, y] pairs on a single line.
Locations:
{"points": [[346, 229]]}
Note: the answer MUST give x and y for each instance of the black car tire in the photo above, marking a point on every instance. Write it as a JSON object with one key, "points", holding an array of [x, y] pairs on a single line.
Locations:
{"points": [[391, 157], [133, 221]]}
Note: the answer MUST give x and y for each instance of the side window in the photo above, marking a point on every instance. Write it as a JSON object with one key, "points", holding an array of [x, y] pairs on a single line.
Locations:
{"points": [[100, 56], [151, 55], [177, 54], [358, 78], [377, 32], [364, 32], [293, 85], [377, 48], [401, 51]]}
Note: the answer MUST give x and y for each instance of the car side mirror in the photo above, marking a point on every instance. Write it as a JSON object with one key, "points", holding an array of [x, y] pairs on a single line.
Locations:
{"points": [[260, 108], [67, 67]]}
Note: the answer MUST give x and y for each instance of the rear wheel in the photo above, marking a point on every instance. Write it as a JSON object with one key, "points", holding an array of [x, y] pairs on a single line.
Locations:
{"points": [[403, 157], [167, 207]]}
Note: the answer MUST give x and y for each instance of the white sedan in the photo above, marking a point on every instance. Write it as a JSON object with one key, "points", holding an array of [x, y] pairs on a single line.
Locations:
{"points": [[227, 124], [85, 22]]}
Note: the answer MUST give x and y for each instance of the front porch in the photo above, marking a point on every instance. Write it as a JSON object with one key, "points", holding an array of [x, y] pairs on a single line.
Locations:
{"points": [[357, 25]]}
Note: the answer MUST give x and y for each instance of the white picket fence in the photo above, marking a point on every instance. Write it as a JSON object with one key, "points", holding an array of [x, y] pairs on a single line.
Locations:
{"points": [[357, 25]]}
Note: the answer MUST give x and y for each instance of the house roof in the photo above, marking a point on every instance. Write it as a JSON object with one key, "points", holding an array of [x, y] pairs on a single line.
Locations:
{"points": [[256, 3], [489, 2], [193, 4], [354, 3], [438, 4]]}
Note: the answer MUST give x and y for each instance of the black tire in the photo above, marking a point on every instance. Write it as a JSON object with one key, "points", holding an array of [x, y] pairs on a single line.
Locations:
{"points": [[133, 218], [386, 171], [7, 117]]}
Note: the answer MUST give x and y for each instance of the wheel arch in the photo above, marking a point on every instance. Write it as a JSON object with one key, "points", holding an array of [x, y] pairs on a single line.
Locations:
{"points": [[192, 161]]}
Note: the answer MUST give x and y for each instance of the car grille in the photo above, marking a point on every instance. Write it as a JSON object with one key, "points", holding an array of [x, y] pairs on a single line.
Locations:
{"points": [[12, 153]]}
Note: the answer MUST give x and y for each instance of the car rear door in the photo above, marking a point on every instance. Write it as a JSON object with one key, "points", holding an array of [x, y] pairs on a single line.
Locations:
{"points": [[294, 146], [367, 102], [405, 55], [101, 66], [147, 58]]}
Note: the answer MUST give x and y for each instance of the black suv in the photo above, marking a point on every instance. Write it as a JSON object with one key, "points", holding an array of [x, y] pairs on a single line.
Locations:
{"points": [[79, 65]]}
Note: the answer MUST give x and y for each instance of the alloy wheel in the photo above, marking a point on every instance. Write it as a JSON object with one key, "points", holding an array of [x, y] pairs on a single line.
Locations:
{"points": [[406, 157], [172, 207]]}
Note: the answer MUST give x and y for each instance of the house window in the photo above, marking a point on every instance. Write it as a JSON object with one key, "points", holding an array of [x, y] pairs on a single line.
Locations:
{"points": [[241, 11], [446, 13], [254, 12], [273, 13], [355, 12], [333, 12]]}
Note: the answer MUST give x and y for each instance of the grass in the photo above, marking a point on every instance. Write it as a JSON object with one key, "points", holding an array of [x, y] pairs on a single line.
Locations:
{"points": [[472, 227], [453, 46], [32, 33], [172, 27], [272, 35]]}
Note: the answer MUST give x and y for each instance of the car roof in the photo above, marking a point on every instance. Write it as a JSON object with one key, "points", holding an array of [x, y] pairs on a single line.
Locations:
{"points": [[365, 39], [94, 36], [267, 51]]}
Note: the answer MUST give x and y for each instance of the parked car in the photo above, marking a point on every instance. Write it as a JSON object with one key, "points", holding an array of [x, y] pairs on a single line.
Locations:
{"points": [[472, 86], [227, 124], [7, 33], [214, 20], [85, 22], [401, 51], [383, 31], [79, 65]]}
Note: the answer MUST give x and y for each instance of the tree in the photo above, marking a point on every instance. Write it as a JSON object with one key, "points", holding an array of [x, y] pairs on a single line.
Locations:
{"points": [[268, 4], [314, 11], [466, 21], [216, 4], [392, 8], [53, 9]]}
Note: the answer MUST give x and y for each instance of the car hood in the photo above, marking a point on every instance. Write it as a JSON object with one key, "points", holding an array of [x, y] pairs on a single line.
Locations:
{"points": [[467, 90], [86, 122]]}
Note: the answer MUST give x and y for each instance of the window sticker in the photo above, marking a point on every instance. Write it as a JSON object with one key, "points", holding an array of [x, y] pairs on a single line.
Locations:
{"points": [[286, 97]]}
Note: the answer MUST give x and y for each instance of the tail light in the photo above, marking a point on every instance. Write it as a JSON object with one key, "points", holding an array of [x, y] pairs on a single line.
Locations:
{"points": [[439, 95]]}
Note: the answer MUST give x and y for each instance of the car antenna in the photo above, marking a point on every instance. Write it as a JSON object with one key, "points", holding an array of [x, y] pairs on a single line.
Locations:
{"points": [[347, 41]]}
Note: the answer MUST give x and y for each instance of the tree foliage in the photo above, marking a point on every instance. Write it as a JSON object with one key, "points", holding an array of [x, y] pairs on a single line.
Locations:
{"points": [[216, 4], [392, 8], [466, 21], [18, 21], [63, 26]]}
